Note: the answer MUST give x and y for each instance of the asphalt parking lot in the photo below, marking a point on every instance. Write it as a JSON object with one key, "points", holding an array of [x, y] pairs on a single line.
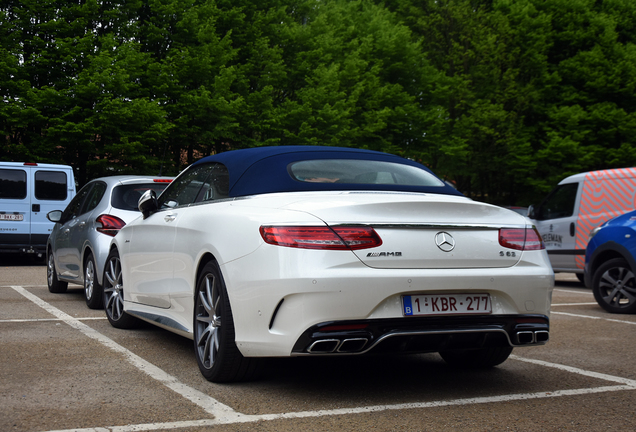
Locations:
{"points": [[66, 369]]}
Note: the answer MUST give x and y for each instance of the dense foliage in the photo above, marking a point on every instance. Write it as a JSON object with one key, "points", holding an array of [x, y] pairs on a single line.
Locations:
{"points": [[502, 97]]}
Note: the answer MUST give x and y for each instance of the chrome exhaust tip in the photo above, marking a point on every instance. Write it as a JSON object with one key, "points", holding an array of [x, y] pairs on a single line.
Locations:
{"points": [[541, 336], [525, 337], [324, 346]]}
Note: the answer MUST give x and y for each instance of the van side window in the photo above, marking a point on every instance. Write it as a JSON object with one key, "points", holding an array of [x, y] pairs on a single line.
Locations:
{"points": [[560, 202], [13, 184], [50, 185]]}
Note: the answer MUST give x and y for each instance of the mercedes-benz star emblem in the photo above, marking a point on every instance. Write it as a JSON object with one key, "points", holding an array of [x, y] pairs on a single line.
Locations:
{"points": [[445, 241]]}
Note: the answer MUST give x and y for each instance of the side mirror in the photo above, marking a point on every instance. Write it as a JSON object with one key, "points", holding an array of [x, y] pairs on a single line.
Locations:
{"points": [[54, 216], [148, 203], [531, 212]]}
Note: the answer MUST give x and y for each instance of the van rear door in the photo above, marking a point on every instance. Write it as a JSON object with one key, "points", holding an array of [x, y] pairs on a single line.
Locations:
{"points": [[556, 219], [28, 191], [51, 190]]}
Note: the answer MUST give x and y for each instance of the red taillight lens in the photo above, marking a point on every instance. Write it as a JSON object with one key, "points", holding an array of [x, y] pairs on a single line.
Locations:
{"points": [[109, 225], [321, 237], [521, 238], [162, 181]]}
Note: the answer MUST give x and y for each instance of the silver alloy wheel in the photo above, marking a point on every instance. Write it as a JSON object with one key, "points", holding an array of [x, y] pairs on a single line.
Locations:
{"points": [[113, 289], [617, 287], [208, 323], [89, 279], [50, 270]]}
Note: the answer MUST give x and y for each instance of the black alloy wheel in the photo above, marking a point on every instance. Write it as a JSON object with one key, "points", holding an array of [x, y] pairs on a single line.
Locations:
{"points": [[114, 294], [55, 286], [92, 289], [477, 358], [614, 287], [214, 343]]}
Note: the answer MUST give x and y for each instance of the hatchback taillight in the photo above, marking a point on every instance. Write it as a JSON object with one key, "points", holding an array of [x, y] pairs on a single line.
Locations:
{"points": [[321, 237], [109, 224], [521, 238]]}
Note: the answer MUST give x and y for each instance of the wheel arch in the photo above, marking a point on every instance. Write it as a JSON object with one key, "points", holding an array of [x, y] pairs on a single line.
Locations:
{"points": [[205, 260], [608, 251], [85, 253]]}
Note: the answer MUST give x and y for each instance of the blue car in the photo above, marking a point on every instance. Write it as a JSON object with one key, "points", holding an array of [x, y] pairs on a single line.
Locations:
{"points": [[610, 263]]}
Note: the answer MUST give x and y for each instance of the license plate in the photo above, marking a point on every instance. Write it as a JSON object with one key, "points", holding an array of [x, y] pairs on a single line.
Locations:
{"points": [[11, 217], [446, 304]]}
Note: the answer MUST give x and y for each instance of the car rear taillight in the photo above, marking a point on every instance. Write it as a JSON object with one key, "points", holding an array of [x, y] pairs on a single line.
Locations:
{"points": [[321, 237], [521, 238], [109, 224], [162, 180]]}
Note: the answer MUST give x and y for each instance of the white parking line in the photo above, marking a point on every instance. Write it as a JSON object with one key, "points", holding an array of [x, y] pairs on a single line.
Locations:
{"points": [[49, 319], [574, 304], [223, 414], [583, 291], [209, 404], [593, 317]]}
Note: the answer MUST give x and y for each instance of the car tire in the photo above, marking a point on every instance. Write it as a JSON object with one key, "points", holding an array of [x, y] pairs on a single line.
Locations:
{"points": [[477, 358], [614, 287], [92, 289], [55, 286], [215, 348], [114, 294]]}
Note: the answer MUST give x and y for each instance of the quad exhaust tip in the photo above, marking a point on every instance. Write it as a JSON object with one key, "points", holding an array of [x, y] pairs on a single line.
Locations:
{"points": [[326, 346], [531, 337]]}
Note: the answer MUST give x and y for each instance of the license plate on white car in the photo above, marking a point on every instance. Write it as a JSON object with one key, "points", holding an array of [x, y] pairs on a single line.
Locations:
{"points": [[11, 217], [446, 304]]}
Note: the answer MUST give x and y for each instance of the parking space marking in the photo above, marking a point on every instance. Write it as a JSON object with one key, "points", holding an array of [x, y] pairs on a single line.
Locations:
{"points": [[574, 304], [209, 404], [360, 410], [49, 319], [224, 414], [583, 291], [593, 317]]}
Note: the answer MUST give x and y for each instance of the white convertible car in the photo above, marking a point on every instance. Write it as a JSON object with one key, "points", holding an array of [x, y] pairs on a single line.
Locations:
{"points": [[326, 251]]}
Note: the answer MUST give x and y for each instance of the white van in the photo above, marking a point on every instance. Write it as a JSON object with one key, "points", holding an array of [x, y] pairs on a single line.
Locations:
{"points": [[575, 207], [28, 191]]}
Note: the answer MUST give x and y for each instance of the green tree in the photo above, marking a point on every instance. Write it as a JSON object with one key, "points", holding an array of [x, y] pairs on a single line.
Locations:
{"points": [[536, 89], [76, 98]]}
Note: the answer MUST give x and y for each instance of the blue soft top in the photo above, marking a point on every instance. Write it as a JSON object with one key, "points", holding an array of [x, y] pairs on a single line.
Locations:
{"points": [[260, 170]]}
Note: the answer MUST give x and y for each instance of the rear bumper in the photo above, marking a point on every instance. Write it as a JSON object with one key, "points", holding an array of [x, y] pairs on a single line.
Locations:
{"points": [[428, 334]]}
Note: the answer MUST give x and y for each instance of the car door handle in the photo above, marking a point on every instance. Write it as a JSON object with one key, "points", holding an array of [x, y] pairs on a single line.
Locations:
{"points": [[170, 218], [572, 229]]}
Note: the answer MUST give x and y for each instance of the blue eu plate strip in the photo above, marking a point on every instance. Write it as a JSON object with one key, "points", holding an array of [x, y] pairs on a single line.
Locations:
{"points": [[406, 303]]}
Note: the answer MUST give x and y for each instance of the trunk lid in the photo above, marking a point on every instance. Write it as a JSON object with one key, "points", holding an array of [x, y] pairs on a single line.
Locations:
{"points": [[421, 231]]}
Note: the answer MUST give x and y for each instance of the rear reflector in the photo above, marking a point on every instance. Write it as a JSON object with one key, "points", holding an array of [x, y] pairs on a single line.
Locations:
{"points": [[321, 237], [343, 327], [521, 238], [109, 224]]}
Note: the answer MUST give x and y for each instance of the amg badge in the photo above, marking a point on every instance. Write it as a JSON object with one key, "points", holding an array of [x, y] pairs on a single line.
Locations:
{"points": [[383, 254]]}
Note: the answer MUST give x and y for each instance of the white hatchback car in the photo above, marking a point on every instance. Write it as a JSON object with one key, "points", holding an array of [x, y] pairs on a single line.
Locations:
{"points": [[79, 243], [324, 251]]}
